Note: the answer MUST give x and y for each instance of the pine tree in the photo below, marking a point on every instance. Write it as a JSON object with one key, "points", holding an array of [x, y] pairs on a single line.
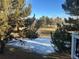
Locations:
{"points": [[71, 7], [12, 13]]}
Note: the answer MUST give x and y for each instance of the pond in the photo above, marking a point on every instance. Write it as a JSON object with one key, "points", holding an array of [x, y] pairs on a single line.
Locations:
{"points": [[41, 46]]}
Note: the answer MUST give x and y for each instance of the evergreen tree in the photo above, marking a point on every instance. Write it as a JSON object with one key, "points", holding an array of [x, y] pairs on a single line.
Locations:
{"points": [[12, 16], [71, 7]]}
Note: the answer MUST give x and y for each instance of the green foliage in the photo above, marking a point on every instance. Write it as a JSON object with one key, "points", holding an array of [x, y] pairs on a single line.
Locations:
{"points": [[31, 34], [16, 19], [28, 22], [37, 25], [71, 7], [73, 24], [32, 26], [60, 37], [26, 11]]}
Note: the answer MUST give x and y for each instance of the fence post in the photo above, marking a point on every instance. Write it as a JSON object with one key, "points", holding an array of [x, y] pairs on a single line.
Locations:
{"points": [[73, 46]]}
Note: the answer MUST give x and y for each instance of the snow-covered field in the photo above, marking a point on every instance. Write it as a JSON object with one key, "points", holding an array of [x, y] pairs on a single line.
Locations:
{"points": [[40, 45]]}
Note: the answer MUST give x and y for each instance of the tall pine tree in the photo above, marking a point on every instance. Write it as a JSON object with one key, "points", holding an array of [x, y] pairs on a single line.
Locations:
{"points": [[71, 7]]}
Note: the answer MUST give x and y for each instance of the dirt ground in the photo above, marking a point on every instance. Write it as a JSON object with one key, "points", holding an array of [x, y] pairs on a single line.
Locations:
{"points": [[19, 54]]}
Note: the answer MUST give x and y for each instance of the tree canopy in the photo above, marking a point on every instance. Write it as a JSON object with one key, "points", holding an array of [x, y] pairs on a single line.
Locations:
{"points": [[71, 7], [12, 14]]}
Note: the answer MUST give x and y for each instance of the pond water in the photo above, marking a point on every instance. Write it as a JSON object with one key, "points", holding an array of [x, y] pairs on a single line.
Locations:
{"points": [[41, 46]]}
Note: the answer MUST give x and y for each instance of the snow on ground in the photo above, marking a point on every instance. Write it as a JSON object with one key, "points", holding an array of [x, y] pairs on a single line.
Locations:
{"points": [[40, 45]]}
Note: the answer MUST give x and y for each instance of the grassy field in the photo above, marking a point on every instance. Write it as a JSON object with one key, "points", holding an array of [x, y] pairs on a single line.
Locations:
{"points": [[14, 53]]}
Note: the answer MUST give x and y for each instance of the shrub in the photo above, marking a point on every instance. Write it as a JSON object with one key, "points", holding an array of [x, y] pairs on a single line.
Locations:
{"points": [[31, 34], [61, 37]]}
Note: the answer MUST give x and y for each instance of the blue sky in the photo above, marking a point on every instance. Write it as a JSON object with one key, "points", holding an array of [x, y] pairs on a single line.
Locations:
{"points": [[50, 8]]}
